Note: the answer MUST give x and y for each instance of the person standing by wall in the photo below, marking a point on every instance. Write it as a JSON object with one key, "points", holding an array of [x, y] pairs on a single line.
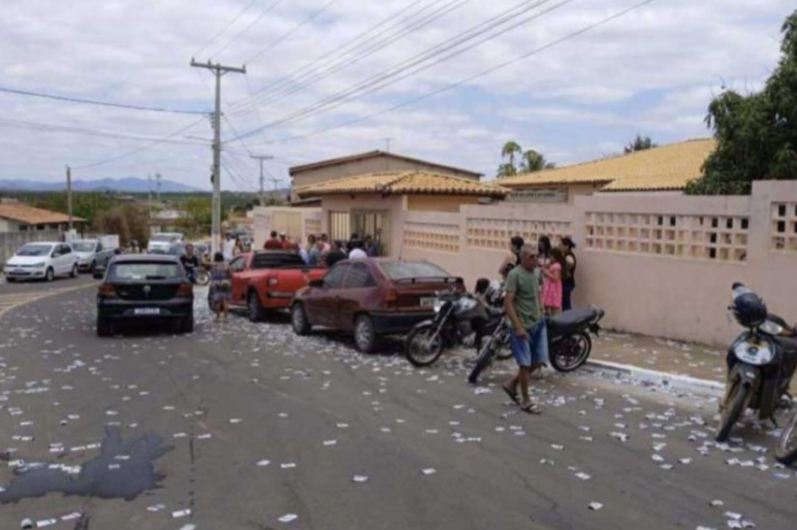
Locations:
{"points": [[336, 255], [228, 246], [313, 254], [220, 286], [273, 243], [512, 259], [567, 246], [357, 251], [552, 282], [528, 336]]}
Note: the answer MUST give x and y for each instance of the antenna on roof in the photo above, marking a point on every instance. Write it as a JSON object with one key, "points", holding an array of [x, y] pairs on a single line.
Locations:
{"points": [[387, 144]]}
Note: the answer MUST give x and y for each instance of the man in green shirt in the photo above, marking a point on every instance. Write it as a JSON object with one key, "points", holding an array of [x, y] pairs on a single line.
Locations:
{"points": [[528, 333]]}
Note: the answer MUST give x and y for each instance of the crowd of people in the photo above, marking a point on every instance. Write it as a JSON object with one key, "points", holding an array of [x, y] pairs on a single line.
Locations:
{"points": [[320, 252]]}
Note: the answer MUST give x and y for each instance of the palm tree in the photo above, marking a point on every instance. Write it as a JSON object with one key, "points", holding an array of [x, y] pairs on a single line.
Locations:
{"points": [[640, 143], [533, 161], [506, 170], [510, 149]]}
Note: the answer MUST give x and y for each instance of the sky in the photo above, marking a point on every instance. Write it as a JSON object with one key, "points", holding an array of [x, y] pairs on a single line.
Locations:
{"points": [[445, 80]]}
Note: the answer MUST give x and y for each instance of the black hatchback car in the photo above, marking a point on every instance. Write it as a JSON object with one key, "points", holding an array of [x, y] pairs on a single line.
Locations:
{"points": [[144, 287]]}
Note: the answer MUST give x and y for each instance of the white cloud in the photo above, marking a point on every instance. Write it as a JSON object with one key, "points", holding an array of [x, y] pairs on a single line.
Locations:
{"points": [[138, 52]]}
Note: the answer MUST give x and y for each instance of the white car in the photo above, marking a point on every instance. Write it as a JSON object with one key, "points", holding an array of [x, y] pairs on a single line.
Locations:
{"points": [[162, 243], [42, 261]]}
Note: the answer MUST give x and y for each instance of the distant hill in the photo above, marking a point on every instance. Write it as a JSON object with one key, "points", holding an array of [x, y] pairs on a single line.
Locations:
{"points": [[127, 185]]}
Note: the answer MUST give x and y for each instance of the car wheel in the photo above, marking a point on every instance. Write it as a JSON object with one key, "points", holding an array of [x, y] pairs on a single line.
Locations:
{"points": [[75, 271], [11, 280], [301, 326], [255, 310], [188, 324], [104, 327], [49, 275], [92, 267], [364, 334]]}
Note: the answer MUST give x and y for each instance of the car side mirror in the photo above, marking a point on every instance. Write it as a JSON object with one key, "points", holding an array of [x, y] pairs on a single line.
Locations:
{"points": [[318, 284], [98, 273]]}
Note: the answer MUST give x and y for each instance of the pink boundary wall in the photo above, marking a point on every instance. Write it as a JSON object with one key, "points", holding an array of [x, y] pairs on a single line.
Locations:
{"points": [[658, 265]]}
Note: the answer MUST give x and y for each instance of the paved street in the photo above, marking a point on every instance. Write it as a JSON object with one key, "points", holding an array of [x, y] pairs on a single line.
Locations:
{"points": [[250, 427]]}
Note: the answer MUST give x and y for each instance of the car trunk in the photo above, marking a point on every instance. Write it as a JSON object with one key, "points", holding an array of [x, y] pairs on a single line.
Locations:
{"points": [[419, 294], [144, 292]]}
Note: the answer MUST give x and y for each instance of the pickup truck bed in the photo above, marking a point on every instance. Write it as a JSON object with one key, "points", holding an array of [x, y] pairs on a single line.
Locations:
{"points": [[267, 280]]}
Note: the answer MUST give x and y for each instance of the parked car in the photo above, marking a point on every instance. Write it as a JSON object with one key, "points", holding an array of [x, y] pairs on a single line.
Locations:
{"points": [[372, 298], [267, 280], [163, 241], [43, 261], [144, 287], [92, 253]]}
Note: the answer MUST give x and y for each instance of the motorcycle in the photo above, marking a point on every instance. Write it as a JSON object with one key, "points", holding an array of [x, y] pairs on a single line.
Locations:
{"points": [[761, 362], [569, 341], [457, 316]]}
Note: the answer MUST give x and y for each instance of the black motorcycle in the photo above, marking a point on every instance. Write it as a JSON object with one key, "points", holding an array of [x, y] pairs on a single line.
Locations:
{"points": [[569, 341], [458, 315], [761, 362]]}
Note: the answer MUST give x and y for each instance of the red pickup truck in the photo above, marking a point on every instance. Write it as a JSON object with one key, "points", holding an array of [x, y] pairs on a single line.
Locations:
{"points": [[268, 279]]}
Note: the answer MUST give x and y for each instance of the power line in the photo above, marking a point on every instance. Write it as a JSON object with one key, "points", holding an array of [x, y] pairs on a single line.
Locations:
{"points": [[467, 79], [384, 77], [265, 12], [99, 103], [226, 26], [285, 81], [292, 31]]}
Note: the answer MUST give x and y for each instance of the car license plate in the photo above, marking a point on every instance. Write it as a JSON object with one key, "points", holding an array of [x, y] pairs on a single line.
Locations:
{"points": [[147, 311], [428, 301]]}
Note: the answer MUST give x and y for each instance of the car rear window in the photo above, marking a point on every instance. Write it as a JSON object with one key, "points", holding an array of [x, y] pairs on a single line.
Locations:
{"points": [[267, 260], [144, 271], [401, 270]]}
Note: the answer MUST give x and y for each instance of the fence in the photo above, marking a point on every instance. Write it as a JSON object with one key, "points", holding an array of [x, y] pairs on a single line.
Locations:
{"points": [[10, 242]]}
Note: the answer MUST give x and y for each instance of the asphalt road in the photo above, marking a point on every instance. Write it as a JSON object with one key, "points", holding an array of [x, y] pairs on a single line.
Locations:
{"points": [[254, 428]]}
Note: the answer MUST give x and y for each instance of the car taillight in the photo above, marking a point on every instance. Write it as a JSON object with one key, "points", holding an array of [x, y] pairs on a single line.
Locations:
{"points": [[107, 289], [185, 289], [391, 297], [273, 281]]}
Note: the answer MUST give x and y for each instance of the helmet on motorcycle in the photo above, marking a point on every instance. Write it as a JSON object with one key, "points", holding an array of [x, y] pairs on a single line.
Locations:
{"points": [[494, 293], [748, 308]]}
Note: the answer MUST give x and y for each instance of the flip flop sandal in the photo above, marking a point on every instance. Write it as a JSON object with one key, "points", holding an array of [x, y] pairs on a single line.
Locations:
{"points": [[531, 408], [512, 395]]}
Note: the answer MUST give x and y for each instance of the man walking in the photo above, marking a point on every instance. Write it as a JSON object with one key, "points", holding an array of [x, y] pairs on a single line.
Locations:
{"points": [[528, 335]]}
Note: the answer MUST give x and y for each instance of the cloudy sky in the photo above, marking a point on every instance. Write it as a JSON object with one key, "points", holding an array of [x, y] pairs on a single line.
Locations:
{"points": [[335, 77]]}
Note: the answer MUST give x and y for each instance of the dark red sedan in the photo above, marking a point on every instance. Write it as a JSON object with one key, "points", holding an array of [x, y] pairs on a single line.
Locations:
{"points": [[371, 297]]}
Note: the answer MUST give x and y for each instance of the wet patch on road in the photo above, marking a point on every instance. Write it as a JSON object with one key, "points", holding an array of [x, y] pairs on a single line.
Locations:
{"points": [[123, 470]]}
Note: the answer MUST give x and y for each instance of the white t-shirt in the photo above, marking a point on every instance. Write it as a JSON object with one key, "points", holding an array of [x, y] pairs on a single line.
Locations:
{"points": [[229, 246], [358, 253]]}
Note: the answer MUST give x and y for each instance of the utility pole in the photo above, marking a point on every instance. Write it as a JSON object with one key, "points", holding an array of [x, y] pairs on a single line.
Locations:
{"points": [[69, 195], [218, 70], [387, 144], [158, 178], [262, 178], [276, 182]]}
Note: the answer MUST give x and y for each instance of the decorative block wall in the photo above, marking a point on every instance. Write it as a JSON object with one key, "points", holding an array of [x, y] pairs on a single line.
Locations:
{"points": [[784, 226], [438, 237], [496, 233]]}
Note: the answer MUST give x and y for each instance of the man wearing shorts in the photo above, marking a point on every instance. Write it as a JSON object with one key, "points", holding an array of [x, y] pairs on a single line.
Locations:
{"points": [[528, 333]]}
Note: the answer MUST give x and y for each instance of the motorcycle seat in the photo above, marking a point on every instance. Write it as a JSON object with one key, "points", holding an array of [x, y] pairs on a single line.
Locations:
{"points": [[572, 319]]}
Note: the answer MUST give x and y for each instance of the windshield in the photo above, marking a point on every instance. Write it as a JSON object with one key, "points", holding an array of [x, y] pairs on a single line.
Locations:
{"points": [[400, 270], [84, 246], [164, 238], [35, 250], [144, 271]]}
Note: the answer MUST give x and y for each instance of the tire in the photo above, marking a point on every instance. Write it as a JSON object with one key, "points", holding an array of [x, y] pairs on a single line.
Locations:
{"points": [[734, 406], [92, 266], [254, 310], [419, 350], [483, 361], [571, 352], [202, 278], [301, 326], [11, 280], [365, 334], [75, 271], [104, 327], [786, 450], [49, 275]]}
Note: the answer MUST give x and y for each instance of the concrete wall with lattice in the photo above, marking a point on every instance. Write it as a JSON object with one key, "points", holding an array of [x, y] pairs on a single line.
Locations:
{"points": [[784, 226]]}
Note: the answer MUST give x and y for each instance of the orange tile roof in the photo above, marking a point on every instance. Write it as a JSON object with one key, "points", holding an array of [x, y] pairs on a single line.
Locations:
{"points": [[375, 154], [667, 167], [24, 213], [402, 183]]}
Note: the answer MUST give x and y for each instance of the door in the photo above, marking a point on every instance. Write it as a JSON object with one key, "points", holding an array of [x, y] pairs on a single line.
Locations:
{"points": [[357, 293], [376, 225], [64, 262], [322, 302], [239, 283]]}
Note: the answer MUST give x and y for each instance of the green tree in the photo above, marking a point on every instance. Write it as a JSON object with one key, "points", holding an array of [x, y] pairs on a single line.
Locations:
{"points": [[199, 215], [640, 143], [509, 151], [506, 170], [756, 133], [532, 161]]}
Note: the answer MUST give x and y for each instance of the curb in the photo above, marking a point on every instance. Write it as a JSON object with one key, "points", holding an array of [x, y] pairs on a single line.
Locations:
{"points": [[676, 381]]}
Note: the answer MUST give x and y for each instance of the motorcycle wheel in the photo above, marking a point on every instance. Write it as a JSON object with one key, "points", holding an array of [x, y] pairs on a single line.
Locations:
{"points": [[421, 349], [571, 353], [786, 450], [734, 406], [483, 361], [202, 278]]}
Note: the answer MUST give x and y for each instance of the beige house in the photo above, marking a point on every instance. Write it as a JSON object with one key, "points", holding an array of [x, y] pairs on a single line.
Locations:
{"points": [[362, 164], [19, 217], [664, 170]]}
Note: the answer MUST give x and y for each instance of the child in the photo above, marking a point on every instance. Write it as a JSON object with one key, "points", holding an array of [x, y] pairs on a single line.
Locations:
{"points": [[552, 283]]}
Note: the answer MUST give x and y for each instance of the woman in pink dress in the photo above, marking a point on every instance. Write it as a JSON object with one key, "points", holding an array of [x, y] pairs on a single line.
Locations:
{"points": [[552, 283]]}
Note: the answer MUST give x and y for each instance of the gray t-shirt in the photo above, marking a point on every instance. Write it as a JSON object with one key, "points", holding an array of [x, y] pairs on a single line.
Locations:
{"points": [[526, 287]]}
